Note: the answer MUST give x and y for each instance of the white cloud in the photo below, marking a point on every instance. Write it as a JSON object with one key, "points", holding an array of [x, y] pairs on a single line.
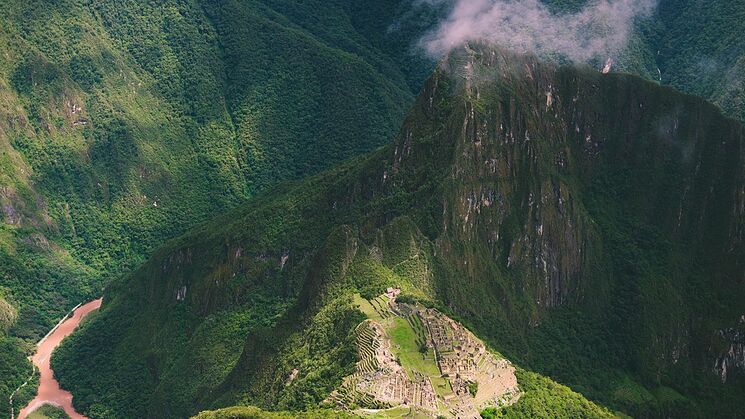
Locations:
{"points": [[599, 30]]}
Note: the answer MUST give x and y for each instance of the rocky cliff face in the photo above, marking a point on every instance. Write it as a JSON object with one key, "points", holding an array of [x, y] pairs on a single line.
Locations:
{"points": [[533, 149], [731, 359], [506, 188], [588, 225]]}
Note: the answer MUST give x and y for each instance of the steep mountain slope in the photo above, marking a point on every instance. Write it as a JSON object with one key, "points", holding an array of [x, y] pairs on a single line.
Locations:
{"points": [[588, 226], [124, 123], [696, 47], [701, 50]]}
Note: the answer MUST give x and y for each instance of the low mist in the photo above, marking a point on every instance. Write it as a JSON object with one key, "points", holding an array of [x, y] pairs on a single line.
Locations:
{"points": [[597, 31]]}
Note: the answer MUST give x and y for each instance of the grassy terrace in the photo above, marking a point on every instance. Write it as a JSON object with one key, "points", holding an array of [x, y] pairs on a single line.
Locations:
{"points": [[367, 308], [407, 349]]}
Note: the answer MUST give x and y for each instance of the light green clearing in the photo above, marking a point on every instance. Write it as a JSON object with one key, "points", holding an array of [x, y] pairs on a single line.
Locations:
{"points": [[405, 347], [395, 413], [366, 308], [48, 411]]}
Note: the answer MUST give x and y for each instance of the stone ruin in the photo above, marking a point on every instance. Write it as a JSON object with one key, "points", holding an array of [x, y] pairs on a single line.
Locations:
{"points": [[380, 382]]}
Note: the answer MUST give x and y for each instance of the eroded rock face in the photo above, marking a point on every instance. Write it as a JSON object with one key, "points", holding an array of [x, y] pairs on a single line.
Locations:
{"points": [[8, 315], [506, 189], [561, 183], [10, 214], [501, 182], [731, 359], [503, 190], [17, 211]]}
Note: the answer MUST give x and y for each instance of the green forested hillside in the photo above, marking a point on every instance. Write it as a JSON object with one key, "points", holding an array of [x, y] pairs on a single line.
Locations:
{"points": [[124, 123], [581, 223], [701, 50]]}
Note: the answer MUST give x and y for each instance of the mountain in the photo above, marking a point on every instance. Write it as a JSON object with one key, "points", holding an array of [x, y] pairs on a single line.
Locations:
{"points": [[589, 227], [123, 124], [696, 47]]}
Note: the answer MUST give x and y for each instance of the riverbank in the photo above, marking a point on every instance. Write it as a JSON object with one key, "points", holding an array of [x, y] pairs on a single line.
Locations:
{"points": [[50, 391]]}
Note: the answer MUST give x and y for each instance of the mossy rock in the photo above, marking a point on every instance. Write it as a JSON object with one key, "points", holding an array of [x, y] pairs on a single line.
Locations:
{"points": [[8, 315]]}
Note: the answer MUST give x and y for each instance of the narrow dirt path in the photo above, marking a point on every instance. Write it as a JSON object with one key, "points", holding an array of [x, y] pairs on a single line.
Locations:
{"points": [[49, 389]]}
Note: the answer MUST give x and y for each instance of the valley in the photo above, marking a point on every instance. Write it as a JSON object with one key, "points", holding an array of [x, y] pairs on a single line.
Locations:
{"points": [[299, 209], [122, 125]]}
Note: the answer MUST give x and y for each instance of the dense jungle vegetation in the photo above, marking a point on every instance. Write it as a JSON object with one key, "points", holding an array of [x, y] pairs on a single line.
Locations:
{"points": [[125, 123]]}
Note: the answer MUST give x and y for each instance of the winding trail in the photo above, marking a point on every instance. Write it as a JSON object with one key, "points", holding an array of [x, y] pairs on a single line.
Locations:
{"points": [[50, 391]]}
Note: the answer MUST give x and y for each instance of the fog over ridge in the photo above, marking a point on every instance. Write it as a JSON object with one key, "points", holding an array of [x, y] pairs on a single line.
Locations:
{"points": [[599, 30]]}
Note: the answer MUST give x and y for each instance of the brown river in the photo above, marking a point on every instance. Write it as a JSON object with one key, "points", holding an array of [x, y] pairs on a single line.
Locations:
{"points": [[49, 389]]}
